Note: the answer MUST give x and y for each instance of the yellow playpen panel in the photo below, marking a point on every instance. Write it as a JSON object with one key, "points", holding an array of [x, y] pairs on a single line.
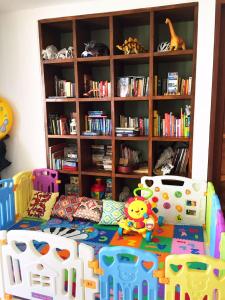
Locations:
{"points": [[196, 275], [23, 191]]}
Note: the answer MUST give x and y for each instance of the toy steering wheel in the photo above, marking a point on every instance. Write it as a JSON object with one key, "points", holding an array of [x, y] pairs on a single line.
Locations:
{"points": [[149, 195]]}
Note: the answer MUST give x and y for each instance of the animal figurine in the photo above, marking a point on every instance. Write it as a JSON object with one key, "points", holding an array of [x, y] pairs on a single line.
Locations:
{"points": [[176, 42], [139, 215], [163, 46], [131, 46], [95, 49], [50, 52]]}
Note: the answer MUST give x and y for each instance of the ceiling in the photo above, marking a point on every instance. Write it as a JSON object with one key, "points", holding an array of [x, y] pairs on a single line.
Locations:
{"points": [[13, 5]]}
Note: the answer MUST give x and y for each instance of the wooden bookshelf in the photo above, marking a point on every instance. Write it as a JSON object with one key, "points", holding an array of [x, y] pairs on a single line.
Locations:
{"points": [[112, 29]]}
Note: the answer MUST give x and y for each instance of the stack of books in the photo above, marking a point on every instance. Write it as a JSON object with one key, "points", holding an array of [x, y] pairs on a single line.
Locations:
{"points": [[136, 86], [180, 161], [98, 89], [123, 131], [140, 124], [58, 125], [70, 160], [63, 157], [102, 157], [171, 125], [63, 88], [172, 85], [96, 123]]}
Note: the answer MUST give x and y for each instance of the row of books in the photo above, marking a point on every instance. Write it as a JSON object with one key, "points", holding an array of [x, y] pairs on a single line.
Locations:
{"points": [[102, 156], [133, 86], [170, 125], [180, 161], [97, 89], [63, 88], [97, 123], [172, 85], [61, 124], [127, 123], [63, 157], [129, 156]]}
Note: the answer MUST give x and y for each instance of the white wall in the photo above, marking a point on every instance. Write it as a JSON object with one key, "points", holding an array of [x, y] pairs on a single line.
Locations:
{"points": [[20, 77]]}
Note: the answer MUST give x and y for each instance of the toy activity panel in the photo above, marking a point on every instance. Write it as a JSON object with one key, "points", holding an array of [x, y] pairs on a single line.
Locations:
{"points": [[179, 200]]}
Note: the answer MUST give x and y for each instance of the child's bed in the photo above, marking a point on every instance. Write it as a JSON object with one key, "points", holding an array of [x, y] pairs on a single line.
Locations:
{"points": [[68, 265]]}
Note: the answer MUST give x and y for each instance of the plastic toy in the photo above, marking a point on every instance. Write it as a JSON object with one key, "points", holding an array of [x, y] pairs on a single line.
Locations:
{"points": [[139, 215], [163, 46], [95, 49], [131, 46], [98, 189], [176, 42], [6, 118]]}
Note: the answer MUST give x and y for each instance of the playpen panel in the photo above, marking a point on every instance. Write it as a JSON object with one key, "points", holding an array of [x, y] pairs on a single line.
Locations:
{"points": [[220, 228], [23, 191], [210, 193], [179, 200], [45, 180], [197, 276], [32, 275], [215, 208], [7, 204], [126, 270], [2, 242]]}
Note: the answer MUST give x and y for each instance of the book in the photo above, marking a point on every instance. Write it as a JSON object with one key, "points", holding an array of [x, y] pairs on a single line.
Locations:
{"points": [[172, 83]]}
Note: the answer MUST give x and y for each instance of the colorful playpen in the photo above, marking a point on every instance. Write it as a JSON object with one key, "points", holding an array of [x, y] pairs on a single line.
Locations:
{"points": [[116, 272]]}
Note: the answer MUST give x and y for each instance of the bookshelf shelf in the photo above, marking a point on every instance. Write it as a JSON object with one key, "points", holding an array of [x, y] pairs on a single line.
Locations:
{"points": [[63, 100], [172, 97], [88, 74], [95, 137], [170, 139], [68, 136]]}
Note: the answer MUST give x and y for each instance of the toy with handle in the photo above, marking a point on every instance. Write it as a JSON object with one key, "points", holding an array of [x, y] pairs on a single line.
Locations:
{"points": [[139, 215]]}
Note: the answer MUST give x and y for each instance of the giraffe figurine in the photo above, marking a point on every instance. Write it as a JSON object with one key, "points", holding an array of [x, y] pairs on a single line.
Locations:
{"points": [[176, 42]]}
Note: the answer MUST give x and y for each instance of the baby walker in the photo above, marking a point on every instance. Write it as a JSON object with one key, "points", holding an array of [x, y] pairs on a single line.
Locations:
{"points": [[139, 215]]}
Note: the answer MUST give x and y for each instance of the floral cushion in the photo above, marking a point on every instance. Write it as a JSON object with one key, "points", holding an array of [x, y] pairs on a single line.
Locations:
{"points": [[89, 209], [113, 212], [41, 205], [65, 207]]}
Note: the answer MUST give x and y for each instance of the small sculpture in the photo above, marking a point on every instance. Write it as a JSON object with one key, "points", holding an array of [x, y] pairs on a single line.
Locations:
{"points": [[130, 46], [163, 46], [95, 49], [50, 52], [125, 194], [176, 42]]}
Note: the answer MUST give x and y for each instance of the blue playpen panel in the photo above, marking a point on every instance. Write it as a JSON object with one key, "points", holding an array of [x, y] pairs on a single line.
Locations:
{"points": [[213, 225], [7, 204], [127, 272]]}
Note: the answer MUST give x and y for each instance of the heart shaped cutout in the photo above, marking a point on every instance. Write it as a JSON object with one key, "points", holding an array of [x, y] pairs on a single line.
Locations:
{"points": [[41, 247], [63, 253], [20, 246]]}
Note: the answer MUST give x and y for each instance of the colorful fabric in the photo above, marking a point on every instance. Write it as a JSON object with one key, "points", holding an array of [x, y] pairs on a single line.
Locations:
{"points": [[89, 209], [65, 207], [113, 212], [41, 205]]}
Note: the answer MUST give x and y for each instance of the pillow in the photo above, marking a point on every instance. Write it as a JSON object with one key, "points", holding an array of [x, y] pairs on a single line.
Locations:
{"points": [[89, 209], [65, 207], [41, 205], [113, 212]]}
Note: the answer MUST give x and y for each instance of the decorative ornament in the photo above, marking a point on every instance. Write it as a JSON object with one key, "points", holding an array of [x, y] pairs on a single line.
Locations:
{"points": [[95, 49], [163, 46], [131, 46], [176, 42]]}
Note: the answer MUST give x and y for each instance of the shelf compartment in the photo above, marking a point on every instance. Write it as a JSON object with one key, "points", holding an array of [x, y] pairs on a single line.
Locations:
{"points": [[60, 100], [94, 59], [170, 139], [92, 71], [88, 181], [63, 72], [95, 137], [58, 34], [95, 29], [68, 172], [105, 99], [121, 182], [69, 136], [67, 62], [182, 19], [132, 98], [136, 25], [130, 175], [131, 138], [94, 172], [172, 97], [127, 57]]}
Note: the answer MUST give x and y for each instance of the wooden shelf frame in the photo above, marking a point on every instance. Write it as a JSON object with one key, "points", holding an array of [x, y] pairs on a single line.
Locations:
{"points": [[188, 11]]}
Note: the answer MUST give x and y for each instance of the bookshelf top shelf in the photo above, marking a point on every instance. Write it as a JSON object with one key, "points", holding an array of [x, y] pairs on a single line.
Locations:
{"points": [[172, 97]]}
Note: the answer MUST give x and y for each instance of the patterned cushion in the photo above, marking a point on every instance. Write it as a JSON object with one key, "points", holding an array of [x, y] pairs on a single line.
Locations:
{"points": [[89, 209], [65, 207], [113, 212], [41, 205]]}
